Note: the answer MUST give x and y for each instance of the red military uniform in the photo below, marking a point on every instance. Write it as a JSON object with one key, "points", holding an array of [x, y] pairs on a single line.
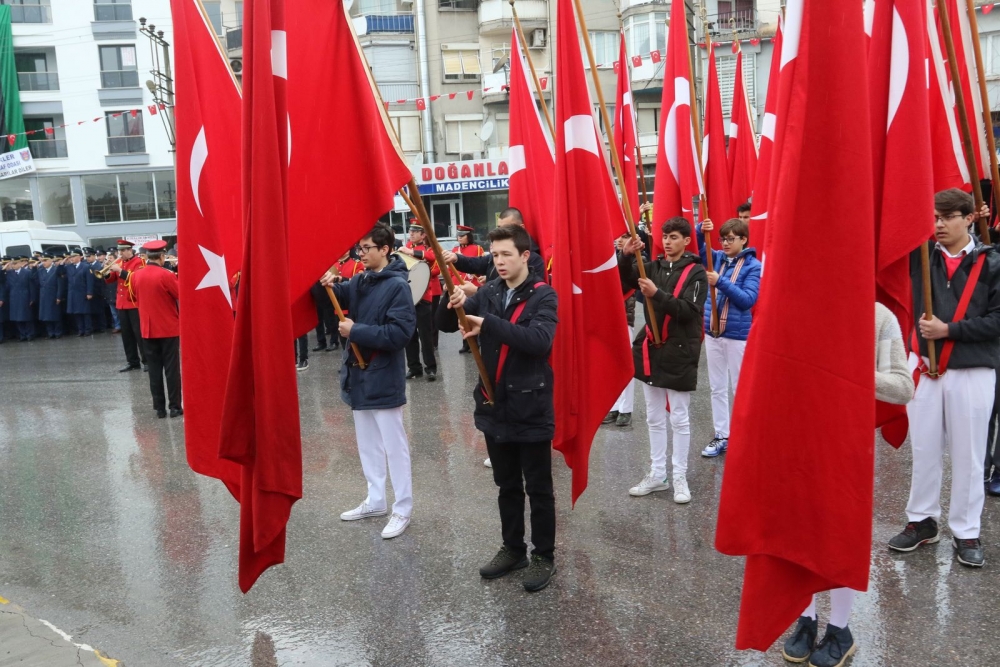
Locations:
{"points": [[156, 289], [127, 304], [349, 268], [470, 250], [125, 298], [427, 255]]}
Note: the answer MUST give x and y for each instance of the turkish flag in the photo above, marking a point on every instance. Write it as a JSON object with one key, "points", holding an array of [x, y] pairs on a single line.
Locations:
{"points": [[636, 61], [951, 170], [762, 179], [209, 231], [625, 135], [795, 390], [678, 179], [591, 359], [742, 154], [961, 34], [530, 156], [351, 158], [713, 151], [903, 164], [421, 104], [655, 56]]}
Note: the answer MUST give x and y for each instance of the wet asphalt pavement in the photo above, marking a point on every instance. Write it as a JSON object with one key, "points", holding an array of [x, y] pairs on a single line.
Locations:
{"points": [[107, 534]]}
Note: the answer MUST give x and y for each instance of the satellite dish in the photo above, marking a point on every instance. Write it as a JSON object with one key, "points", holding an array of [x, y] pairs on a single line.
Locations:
{"points": [[501, 63], [487, 131]]}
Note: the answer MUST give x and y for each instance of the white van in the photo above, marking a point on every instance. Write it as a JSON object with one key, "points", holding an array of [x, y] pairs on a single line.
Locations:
{"points": [[23, 237]]}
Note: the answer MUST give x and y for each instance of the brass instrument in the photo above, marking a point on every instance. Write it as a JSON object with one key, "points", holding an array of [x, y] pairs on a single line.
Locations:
{"points": [[105, 270]]}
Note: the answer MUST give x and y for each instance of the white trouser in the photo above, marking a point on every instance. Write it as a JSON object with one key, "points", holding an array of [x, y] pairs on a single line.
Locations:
{"points": [[725, 358], [656, 420], [841, 605], [955, 409], [626, 402], [380, 436]]}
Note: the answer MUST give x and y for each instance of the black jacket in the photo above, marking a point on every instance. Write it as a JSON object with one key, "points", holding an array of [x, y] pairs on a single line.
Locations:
{"points": [[673, 365], [977, 335], [523, 409], [483, 266]]}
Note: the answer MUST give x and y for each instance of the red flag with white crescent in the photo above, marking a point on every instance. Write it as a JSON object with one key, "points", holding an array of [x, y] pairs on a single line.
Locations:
{"points": [[742, 154], [625, 135], [762, 179], [713, 151]]}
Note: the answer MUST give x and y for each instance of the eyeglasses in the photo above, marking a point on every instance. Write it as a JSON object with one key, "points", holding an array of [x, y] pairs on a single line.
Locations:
{"points": [[943, 218], [730, 239], [363, 249]]}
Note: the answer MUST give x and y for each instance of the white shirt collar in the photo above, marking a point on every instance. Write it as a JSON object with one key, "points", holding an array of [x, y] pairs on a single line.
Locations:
{"points": [[964, 251]]}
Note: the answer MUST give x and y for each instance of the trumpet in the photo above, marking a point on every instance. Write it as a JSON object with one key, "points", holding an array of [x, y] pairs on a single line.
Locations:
{"points": [[105, 270]]}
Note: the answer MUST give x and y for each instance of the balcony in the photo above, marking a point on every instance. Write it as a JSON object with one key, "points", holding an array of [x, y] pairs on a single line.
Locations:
{"points": [[128, 78], [495, 15], [29, 13], [744, 22], [126, 145], [32, 81], [398, 91], [112, 12], [399, 23], [48, 148], [234, 39]]}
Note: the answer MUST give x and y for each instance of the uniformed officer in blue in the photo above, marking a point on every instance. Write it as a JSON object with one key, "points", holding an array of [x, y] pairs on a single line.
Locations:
{"points": [[22, 293], [79, 292], [51, 294], [97, 304]]}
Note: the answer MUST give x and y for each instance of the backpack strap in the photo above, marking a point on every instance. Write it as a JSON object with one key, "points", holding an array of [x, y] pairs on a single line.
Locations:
{"points": [[505, 349], [678, 290]]}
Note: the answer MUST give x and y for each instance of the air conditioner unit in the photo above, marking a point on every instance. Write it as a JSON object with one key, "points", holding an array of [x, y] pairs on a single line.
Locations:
{"points": [[466, 156], [237, 65], [538, 38]]}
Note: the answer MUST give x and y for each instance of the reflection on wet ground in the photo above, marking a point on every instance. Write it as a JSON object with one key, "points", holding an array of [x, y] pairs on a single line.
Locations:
{"points": [[106, 532]]}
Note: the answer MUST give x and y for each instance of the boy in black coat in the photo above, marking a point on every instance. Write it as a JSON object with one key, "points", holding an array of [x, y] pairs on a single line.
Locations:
{"points": [[514, 316]]}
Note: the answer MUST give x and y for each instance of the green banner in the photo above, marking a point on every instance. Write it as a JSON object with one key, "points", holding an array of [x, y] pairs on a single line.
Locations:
{"points": [[11, 120]]}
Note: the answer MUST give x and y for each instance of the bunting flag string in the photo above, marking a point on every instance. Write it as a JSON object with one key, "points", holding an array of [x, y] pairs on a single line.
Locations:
{"points": [[152, 109]]}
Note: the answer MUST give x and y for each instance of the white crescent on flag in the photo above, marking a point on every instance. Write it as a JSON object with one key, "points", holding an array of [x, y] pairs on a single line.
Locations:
{"points": [[199, 155]]}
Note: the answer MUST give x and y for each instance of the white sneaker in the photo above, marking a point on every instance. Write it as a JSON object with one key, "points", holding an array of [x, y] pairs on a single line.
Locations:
{"points": [[682, 494], [488, 463], [648, 485], [397, 524], [362, 511]]}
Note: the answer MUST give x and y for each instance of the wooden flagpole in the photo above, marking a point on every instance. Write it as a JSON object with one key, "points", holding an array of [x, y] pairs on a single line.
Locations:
{"points": [[987, 115], [925, 269], [341, 317], [531, 66], [963, 118], [702, 200], [654, 326]]}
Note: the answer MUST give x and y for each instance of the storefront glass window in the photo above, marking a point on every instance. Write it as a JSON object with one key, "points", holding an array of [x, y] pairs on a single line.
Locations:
{"points": [[56, 201], [15, 199]]}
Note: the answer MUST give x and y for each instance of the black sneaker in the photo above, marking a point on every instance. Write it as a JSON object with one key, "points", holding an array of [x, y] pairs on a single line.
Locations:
{"points": [[505, 561], [800, 645], [915, 534], [969, 552], [414, 374], [432, 376], [624, 419], [319, 348], [161, 414], [176, 412], [835, 648], [610, 419], [302, 366], [539, 573]]}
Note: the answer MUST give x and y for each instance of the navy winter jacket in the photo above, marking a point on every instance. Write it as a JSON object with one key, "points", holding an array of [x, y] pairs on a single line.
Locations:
{"points": [[51, 287], [384, 321], [733, 298]]}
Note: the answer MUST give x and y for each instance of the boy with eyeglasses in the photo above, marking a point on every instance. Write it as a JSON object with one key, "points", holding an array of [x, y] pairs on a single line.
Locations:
{"points": [[381, 324], [736, 280], [953, 406]]}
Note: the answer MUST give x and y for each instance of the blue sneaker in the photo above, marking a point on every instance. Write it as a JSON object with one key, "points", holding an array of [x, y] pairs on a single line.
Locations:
{"points": [[715, 448]]}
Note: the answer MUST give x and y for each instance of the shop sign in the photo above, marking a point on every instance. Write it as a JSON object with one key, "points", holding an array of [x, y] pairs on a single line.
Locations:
{"points": [[464, 176]]}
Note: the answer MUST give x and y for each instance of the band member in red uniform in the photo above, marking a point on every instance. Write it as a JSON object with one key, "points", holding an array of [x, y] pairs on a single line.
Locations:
{"points": [[423, 337], [156, 290], [127, 305]]}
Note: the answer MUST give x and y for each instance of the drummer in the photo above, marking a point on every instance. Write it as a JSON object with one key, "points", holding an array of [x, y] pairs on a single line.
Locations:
{"points": [[422, 344]]}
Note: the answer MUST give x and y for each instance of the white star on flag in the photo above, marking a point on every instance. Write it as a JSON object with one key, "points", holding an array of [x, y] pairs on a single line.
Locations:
{"points": [[216, 276]]}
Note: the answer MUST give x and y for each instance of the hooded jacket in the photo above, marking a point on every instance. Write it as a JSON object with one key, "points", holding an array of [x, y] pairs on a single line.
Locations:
{"points": [[734, 295], [384, 321]]}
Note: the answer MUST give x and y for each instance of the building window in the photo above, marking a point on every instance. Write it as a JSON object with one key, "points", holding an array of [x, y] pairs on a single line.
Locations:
{"points": [[726, 67], [137, 196], [15, 199], [605, 43], [56, 200], [48, 140], [462, 136], [118, 67], [239, 14], [214, 11], [101, 193], [408, 130], [29, 11], [34, 71], [461, 66], [394, 67], [166, 194], [112, 10], [459, 5], [991, 54], [367, 7], [130, 196], [125, 133], [646, 33]]}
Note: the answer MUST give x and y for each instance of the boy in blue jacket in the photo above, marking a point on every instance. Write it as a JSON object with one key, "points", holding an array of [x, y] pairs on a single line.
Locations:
{"points": [[736, 280], [382, 322]]}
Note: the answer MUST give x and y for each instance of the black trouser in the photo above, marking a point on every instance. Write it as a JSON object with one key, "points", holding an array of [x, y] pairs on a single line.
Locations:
{"points": [[435, 301], [532, 461], [83, 324], [164, 359], [992, 446], [132, 336], [326, 324], [423, 340], [25, 330], [301, 346]]}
